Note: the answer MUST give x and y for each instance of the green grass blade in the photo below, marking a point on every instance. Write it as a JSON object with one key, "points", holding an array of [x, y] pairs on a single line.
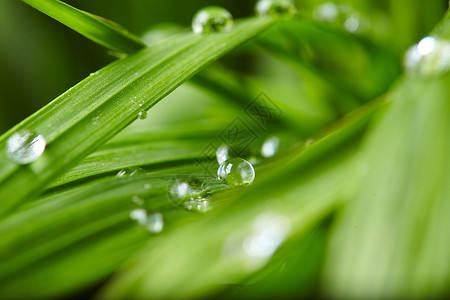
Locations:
{"points": [[306, 46], [392, 241], [307, 191], [92, 218], [97, 29], [96, 109], [93, 236]]}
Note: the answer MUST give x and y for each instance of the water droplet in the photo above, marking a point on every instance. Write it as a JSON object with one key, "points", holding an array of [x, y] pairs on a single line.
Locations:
{"points": [[181, 190], [236, 171], [128, 172], [430, 56], [327, 12], [309, 142], [155, 223], [25, 147], [147, 186], [212, 19], [152, 222], [269, 231], [352, 23], [222, 154], [199, 204], [137, 200], [285, 8], [142, 115], [270, 146], [341, 15], [139, 215]]}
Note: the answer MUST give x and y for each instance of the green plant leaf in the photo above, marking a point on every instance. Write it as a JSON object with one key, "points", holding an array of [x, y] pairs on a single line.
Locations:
{"points": [[392, 240], [93, 236], [95, 28], [93, 111], [307, 191]]}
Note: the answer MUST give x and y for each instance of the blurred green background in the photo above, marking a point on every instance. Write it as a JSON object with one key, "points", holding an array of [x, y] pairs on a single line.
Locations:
{"points": [[40, 58]]}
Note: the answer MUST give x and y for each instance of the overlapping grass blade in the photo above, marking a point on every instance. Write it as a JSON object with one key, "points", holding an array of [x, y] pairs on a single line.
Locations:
{"points": [[96, 109], [307, 191], [392, 241], [82, 235], [302, 45], [99, 30]]}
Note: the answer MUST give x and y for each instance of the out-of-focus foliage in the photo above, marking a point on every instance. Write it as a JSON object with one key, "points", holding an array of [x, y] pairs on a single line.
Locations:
{"points": [[354, 205]]}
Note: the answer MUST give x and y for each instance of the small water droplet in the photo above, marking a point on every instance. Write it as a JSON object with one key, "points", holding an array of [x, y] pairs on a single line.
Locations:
{"points": [[152, 222], [285, 8], [137, 200], [147, 186], [200, 204], [430, 56], [236, 171], [139, 215], [155, 223], [270, 146], [25, 147], [309, 142], [341, 15], [181, 190], [142, 115], [128, 172], [212, 19], [222, 154]]}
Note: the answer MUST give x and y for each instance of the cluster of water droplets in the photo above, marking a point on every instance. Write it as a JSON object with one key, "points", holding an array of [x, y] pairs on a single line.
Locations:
{"points": [[217, 19], [152, 222], [25, 147], [342, 16], [428, 57], [189, 193]]}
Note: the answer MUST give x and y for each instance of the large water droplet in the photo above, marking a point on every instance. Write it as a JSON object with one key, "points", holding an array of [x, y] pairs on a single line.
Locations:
{"points": [[269, 231], [25, 147], [270, 146], [222, 154], [212, 19], [236, 171], [285, 8], [327, 12], [128, 172], [430, 56]]}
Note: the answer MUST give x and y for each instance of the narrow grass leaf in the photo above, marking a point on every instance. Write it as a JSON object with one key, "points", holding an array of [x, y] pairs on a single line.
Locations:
{"points": [[95, 28], [96, 109]]}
